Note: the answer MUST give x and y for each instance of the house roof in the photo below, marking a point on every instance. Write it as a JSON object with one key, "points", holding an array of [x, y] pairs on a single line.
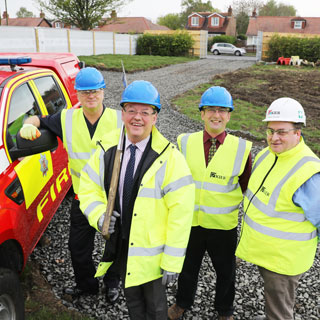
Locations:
{"points": [[205, 25], [24, 22], [281, 24], [130, 24], [207, 14]]}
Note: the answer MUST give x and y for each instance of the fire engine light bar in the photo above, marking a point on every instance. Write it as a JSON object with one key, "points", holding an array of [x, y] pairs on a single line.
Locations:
{"points": [[15, 60]]}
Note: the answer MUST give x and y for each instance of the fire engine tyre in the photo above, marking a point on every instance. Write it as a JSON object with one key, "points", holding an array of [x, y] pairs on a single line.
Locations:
{"points": [[11, 297], [215, 52]]}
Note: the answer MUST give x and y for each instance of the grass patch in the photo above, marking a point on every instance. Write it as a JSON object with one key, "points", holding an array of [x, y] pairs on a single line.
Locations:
{"points": [[253, 90], [188, 105], [131, 63], [40, 312], [240, 119]]}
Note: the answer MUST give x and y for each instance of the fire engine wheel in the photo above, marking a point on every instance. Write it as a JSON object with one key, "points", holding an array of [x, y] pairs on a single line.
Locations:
{"points": [[11, 297]]}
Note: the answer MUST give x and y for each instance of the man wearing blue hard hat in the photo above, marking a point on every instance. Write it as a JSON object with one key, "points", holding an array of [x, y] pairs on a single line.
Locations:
{"points": [[80, 129], [220, 164], [151, 221]]}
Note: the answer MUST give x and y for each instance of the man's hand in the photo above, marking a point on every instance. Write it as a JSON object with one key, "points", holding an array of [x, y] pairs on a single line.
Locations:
{"points": [[29, 132], [112, 224], [168, 276]]}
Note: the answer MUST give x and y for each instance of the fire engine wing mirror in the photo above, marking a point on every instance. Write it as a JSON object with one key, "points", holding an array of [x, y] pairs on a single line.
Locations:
{"points": [[47, 141]]}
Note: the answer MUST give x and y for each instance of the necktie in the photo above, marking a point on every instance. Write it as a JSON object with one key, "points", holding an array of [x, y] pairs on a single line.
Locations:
{"points": [[212, 149], [128, 178]]}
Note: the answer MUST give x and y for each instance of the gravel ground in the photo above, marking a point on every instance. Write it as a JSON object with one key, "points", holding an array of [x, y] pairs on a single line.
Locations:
{"points": [[55, 259]]}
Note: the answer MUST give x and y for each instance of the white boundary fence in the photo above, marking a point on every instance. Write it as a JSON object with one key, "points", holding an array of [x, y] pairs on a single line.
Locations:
{"points": [[29, 39]]}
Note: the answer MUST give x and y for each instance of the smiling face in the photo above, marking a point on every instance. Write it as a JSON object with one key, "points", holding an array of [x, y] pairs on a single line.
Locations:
{"points": [[282, 136], [215, 119], [138, 119]]}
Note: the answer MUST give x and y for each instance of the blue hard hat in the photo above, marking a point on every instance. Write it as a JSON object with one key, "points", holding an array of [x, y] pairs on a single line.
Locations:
{"points": [[89, 79], [141, 91], [216, 97]]}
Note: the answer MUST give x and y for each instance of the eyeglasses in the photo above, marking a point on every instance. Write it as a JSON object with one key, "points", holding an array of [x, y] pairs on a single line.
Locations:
{"points": [[144, 114], [89, 92], [279, 132], [216, 109]]}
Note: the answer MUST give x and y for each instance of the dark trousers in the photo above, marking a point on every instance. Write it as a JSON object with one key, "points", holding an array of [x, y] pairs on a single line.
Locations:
{"points": [[147, 301], [220, 245], [81, 244]]}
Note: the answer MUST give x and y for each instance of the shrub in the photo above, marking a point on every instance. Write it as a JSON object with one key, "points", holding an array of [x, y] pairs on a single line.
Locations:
{"points": [[305, 48], [242, 37], [177, 44]]}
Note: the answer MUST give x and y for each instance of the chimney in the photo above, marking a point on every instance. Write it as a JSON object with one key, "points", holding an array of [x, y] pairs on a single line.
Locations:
{"points": [[254, 13], [5, 15], [229, 11], [41, 14], [113, 14]]}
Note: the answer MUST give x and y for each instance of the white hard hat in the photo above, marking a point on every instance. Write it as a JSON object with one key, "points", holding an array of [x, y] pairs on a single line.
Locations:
{"points": [[286, 109]]}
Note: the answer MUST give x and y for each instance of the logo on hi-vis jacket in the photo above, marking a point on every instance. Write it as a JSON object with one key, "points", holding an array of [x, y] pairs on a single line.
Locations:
{"points": [[217, 176], [43, 164], [264, 191]]}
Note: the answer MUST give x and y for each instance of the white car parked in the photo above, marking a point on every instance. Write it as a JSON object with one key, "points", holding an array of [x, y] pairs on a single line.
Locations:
{"points": [[228, 48]]}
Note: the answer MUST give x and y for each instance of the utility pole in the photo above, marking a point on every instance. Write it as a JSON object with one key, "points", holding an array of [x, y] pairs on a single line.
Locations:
{"points": [[5, 2]]}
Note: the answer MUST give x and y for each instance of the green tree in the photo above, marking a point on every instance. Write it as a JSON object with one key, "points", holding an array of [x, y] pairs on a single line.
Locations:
{"points": [[242, 23], [189, 6], [242, 10], [271, 8], [171, 20], [24, 13], [84, 14]]}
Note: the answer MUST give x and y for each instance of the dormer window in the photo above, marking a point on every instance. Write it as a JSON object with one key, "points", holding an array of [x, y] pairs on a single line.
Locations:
{"points": [[58, 25], [194, 21], [297, 25], [214, 21]]}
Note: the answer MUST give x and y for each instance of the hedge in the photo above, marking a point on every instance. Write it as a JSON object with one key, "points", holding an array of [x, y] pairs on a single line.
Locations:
{"points": [[305, 48], [222, 38], [177, 44]]}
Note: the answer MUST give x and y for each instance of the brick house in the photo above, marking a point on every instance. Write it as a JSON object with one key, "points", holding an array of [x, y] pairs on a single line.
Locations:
{"points": [[128, 24], [216, 23], [25, 22], [307, 25]]}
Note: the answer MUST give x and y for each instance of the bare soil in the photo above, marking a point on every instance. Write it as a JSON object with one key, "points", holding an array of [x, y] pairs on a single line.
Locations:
{"points": [[300, 84]]}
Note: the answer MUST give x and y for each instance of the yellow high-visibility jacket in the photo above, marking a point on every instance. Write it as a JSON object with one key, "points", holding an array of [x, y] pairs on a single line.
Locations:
{"points": [[77, 140], [218, 192], [275, 232], [162, 213]]}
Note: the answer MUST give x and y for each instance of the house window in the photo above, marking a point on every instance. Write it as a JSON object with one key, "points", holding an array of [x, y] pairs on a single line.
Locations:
{"points": [[215, 21], [297, 25], [58, 25], [194, 21]]}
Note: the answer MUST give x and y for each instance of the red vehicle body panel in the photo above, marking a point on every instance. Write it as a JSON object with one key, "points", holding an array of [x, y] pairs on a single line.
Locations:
{"points": [[18, 223]]}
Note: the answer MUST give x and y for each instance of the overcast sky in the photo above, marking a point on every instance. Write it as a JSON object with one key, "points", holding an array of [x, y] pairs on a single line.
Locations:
{"points": [[152, 9]]}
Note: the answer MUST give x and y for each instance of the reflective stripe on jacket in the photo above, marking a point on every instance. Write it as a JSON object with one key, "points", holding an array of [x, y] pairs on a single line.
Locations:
{"points": [[218, 193], [275, 233], [77, 140], [162, 213]]}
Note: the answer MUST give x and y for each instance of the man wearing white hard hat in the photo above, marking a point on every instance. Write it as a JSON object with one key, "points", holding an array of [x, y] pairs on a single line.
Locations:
{"points": [[282, 209]]}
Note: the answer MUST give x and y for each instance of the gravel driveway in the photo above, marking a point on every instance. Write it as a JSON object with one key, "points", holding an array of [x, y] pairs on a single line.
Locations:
{"points": [[55, 259]]}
